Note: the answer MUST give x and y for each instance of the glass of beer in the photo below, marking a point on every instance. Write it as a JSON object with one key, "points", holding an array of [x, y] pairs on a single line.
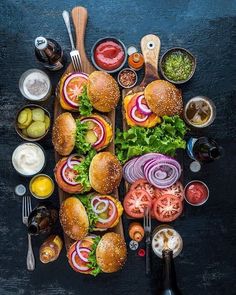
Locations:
{"points": [[200, 111]]}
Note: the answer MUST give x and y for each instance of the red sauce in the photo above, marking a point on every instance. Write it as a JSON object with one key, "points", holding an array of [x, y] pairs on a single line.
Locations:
{"points": [[109, 55], [196, 193]]}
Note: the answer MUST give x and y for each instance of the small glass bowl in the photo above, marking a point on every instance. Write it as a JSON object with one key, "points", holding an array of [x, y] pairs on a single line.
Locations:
{"points": [[27, 96], [194, 204], [19, 131], [33, 179], [184, 51], [130, 70]]}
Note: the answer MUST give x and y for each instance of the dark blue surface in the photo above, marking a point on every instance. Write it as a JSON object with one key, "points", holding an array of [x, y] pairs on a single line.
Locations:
{"points": [[208, 29]]}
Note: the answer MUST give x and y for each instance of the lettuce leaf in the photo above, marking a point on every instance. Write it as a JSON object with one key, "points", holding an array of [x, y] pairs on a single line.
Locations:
{"points": [[85, 107], [82, 147], [83, 170], [92, 258], [92, 217], [164, 138]]}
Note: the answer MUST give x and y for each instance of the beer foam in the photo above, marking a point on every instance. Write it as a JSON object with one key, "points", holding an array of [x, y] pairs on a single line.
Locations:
{"points": [[36, 86]]}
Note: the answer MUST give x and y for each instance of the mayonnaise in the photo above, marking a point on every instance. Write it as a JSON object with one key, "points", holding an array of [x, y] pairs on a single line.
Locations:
{"points": [[28, 159]]}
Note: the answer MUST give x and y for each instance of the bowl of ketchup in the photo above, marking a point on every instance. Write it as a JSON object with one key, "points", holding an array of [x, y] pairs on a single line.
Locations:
{"points": [[196, 193], [109, 54]]}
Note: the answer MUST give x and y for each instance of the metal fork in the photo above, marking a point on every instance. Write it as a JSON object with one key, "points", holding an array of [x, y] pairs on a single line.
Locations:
{"points": [[74, 54], [26, 209], [147, 228]]}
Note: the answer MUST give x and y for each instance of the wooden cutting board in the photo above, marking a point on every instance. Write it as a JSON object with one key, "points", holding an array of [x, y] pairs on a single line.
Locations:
{"points": [[150, 47], [80, 16]]}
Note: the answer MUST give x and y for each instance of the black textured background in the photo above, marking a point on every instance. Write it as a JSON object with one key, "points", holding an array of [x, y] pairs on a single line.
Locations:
{"points": [[208, 29]]}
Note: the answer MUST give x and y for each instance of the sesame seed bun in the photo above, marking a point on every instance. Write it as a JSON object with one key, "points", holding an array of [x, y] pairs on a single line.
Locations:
{"points": [[105, 172], [103, 91], [163, 98], [63, 134], [73, 218], [111, 252]]}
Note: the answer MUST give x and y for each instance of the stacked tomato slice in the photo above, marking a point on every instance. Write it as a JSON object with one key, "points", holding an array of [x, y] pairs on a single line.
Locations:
{"points": [[166, 204]]}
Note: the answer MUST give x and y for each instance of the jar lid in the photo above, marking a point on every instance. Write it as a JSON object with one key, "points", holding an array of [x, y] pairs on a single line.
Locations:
{"points": [[20, 190], [133, 245], [195, 166], [131, 49]]}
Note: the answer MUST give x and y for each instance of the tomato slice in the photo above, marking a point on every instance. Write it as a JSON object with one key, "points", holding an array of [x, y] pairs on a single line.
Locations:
{"points": [[167, 208], [176, 189], [107, 214], [70, 174], [78, 261], [75, 87], [144, 185], [136, 201]]}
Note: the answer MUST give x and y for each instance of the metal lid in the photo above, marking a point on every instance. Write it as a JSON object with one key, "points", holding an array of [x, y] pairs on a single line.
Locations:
{"points": [[41, 43], [131, 49], [195, 166], [20, 190], [133, 245]]}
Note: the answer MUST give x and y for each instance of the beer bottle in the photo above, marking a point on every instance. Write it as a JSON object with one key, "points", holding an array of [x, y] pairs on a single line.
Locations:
{"points": [[49, 53], [203, 149], [168, 285]]}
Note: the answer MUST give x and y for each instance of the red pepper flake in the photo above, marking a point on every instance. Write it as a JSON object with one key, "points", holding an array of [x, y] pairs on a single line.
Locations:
{"points": [[127, 78], [141, 252]]}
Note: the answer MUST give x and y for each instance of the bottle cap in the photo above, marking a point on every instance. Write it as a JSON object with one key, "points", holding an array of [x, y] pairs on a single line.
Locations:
{"points": [[131, 49], [20, 190], [141, 253], [195, 166], [41, 43], [133, 245]]}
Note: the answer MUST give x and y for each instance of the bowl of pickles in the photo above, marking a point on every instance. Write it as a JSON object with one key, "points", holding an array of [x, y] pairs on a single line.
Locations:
{"points": [[32, 122]]}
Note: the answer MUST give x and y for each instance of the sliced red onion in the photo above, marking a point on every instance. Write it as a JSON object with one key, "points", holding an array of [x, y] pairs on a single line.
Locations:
{"points": [[63, 171], [95, 207], [143, 108], [81, 249], [67, 81], [100, 126], [70, 158], [128, 171], [139, 164], [76, 265], [135, 118], [112, 214]]}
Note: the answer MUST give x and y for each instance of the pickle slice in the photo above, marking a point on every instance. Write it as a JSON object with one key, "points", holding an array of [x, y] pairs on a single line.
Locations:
{"points": [[22, 117], [21, 126], [47, 121], [91, 125], [38, 114], [24, 131], [36, 129], [29, 117], [90, 137]]}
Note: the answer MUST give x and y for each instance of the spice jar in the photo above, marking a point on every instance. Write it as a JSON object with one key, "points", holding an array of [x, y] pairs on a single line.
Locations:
{"points": [[136, 61], [50, 249]]}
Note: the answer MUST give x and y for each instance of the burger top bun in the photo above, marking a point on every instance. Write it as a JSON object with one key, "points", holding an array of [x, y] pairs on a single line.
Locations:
{"points": [[103, 91], [163, 98], [63, 134], [111, 252]]}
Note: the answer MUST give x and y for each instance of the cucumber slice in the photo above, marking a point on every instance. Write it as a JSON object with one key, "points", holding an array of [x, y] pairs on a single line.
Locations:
{"points": [[90, 137]]}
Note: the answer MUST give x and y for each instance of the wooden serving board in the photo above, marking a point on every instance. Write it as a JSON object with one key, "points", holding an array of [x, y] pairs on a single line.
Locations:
{"points": [[80, 16], [150, 47]]}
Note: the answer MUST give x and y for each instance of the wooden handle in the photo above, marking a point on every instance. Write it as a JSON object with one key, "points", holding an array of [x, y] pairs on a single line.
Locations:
{"points": [[150, 45], [80, 17]]}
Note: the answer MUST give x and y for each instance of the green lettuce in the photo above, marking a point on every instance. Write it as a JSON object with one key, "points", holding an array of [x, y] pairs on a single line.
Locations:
{"points": [[82, 147], [92, 217], [83, 171], [85, 107], [92, 258], [164, 138]]}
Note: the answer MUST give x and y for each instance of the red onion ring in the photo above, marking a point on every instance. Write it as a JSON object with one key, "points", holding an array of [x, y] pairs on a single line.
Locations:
{"points": [[100, 126], [70, 158], [75, 264], [80, 249], [94, 207], [63, 171], [66, 82], [112, 215], [128, 171], [142, 107], [135, 118]]}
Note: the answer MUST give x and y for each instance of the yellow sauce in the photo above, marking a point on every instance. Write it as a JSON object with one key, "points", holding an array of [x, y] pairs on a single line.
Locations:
{"points": [[42, 186]]}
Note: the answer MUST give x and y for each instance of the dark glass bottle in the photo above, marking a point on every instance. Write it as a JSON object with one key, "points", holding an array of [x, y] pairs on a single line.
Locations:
{"points": [[49, 53], [203, 149], [168, 284], [42, 219]]}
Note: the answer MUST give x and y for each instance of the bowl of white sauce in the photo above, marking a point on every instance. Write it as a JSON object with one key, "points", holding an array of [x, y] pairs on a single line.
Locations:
{"points": [[28, 159], [35, 85]]}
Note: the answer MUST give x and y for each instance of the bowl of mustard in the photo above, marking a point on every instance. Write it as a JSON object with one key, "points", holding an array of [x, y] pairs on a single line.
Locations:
{"points": [[177, 65], [41, 186]]}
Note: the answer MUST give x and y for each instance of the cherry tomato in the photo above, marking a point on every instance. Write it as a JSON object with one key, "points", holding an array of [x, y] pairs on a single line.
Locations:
{"points": [[167, 208], [136, 201], [176, 189]]}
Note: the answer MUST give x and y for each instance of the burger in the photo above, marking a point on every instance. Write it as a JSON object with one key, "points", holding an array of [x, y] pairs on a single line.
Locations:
{"points": [[94, 131], [94, 254], [163, 98], [137, 113], [105, 172], [93, 212], [80, 92]]}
